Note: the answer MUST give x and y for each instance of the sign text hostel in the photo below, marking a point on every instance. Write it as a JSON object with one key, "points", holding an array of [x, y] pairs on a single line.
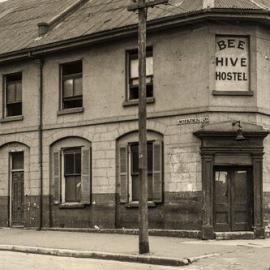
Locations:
{"points": [[232, 63]]}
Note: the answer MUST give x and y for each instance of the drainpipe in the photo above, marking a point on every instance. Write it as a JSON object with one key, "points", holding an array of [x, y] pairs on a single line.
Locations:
{"points": [[40, 135]]}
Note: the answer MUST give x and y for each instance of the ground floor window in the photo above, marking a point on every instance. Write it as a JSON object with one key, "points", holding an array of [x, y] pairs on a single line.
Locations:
{"points": [[134, 173], [72, 174], [129, 171], [71, 171]]}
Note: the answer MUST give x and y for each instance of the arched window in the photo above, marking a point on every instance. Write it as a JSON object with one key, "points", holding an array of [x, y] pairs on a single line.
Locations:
{"points": [[70, 171], [128, 167]]}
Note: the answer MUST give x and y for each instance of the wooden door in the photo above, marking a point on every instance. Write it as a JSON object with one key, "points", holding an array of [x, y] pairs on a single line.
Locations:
{"points": [[17, 198], [233, 199], [222, 198], [241, 200], [17, 189]]}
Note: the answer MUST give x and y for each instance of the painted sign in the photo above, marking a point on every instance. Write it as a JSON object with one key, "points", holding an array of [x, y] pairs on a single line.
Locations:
{"points": [[194, 120], [232, 63]]}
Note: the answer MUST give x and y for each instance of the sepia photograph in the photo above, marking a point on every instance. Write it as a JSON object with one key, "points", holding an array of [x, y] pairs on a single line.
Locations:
{"points": [[134, 134]]}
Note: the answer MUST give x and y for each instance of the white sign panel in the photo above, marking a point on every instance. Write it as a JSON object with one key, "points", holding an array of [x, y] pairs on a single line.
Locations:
{"points": [[232, 63]]}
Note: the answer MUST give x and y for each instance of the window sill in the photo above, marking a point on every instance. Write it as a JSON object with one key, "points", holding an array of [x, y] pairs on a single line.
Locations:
{"points": [[70, 111], [71, 206], [134, 204], [11, 119], [135, 102], [233, 93]]}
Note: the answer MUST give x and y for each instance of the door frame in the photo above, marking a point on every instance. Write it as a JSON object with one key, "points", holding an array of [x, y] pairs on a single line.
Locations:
{"points": [[231, 169], [10, 183], [219, 146]]}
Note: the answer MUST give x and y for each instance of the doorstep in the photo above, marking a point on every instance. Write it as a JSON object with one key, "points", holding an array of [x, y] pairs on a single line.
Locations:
{"points": [[245, 235]]}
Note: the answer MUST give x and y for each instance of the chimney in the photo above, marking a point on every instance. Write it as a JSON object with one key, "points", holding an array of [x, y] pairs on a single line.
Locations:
{"points": [[208, 4], [43, 28]]}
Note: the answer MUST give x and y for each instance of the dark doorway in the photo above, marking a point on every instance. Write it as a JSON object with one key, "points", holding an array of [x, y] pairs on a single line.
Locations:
{"points": [[233, 199], [17, 189]]}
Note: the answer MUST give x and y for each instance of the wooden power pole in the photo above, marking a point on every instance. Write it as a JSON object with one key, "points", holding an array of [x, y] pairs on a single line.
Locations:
{"points": [[141, 6]]}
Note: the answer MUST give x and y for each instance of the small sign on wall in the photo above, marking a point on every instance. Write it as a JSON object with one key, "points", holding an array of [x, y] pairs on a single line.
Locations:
{"points": [[232, 63]]}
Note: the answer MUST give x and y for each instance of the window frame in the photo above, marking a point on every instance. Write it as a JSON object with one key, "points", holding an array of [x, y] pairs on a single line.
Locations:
{"points": [[5, 95], [124, 173], [56, 171], [11, 161], [63, 176], [72, 76], [132, 54], [132, 173]]}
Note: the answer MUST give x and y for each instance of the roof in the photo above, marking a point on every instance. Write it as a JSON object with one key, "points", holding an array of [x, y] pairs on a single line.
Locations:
{"points": [[19, 18]]}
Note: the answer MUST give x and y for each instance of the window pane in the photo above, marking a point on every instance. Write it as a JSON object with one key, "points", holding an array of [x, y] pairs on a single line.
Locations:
{"points": [[72, 68], [134, 65], [149, 90], [72, 103], [78, 87], [14, 109], [221, 187], [11, 92], [19, 91], [78, 163], [73, 189], [134, 73], [68, 88], [134, 158], [134, 93], [17, 161], [134, 82], [68, 163], [149, 66]]}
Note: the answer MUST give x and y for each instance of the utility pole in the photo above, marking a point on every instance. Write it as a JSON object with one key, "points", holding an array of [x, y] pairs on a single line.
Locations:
{"points": [[141, 6]]}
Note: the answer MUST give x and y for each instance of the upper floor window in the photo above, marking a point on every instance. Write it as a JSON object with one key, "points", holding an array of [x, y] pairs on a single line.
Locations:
{"points": [[13, 94], [71, 75], [133, 74]]}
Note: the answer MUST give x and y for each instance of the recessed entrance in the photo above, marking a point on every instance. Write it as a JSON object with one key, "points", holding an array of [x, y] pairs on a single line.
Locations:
{"points": [[17, 189], [233, 199], [232, 179]]}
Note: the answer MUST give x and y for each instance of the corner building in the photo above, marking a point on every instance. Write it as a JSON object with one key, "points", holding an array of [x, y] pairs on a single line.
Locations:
{"points": [[69, 126]]}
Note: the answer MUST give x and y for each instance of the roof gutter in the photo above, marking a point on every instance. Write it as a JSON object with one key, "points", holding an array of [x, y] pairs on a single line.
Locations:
{"points": [[257, 16]]}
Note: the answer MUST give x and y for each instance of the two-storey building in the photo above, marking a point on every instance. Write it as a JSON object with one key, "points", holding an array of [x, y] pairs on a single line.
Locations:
{"points": [[69, 115]]}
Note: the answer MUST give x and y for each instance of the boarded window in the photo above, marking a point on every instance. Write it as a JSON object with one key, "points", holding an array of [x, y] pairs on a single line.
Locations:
{"points": [[13, 85], [72, 85], [133, 87]]}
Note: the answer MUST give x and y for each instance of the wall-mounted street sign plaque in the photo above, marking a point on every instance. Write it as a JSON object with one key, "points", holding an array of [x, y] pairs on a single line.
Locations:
{"points": [[232, 63], [193, 120]]}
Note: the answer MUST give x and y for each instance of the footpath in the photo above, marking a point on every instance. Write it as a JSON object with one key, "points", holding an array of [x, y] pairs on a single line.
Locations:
{"points": [[122, 247]]}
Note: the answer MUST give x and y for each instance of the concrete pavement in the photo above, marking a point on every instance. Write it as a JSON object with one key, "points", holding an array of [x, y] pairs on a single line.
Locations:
{"points": [[164, 250]]}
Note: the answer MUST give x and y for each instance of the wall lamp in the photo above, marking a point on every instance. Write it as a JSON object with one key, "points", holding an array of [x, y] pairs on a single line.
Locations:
{"points": [[239, 132]]}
